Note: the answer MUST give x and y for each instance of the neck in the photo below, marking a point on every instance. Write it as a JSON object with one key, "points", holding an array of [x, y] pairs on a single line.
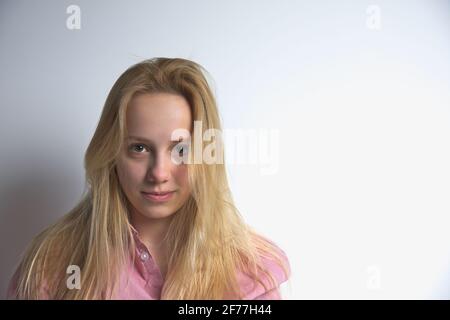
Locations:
{"points": [[151, 231]]}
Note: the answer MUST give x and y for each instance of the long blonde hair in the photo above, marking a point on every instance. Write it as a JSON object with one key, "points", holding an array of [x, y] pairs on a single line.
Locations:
{"points": [[208, 241]]}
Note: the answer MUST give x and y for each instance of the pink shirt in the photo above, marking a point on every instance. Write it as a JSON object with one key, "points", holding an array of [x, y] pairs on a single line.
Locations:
{"points": [[145, 280]]}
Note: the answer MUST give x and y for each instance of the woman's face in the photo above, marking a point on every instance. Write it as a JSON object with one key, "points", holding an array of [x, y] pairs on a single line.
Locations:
{"points": [[145, 163]]}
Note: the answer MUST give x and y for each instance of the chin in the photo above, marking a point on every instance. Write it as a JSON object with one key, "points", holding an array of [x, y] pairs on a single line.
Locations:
{"points": [[157, 213]]}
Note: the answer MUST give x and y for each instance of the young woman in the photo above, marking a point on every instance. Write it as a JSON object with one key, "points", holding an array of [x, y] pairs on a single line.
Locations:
{"points": [[153, 224]]}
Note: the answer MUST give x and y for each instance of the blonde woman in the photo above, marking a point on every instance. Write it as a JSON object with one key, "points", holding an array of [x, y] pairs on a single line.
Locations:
{"points": [[153, 224]]}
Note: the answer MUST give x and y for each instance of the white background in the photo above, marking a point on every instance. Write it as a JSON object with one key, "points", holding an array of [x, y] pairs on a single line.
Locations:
{"points": [[361, 198]]}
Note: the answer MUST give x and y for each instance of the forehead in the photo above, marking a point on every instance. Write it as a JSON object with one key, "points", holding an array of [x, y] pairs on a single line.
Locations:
{"points": [[155, 116]]}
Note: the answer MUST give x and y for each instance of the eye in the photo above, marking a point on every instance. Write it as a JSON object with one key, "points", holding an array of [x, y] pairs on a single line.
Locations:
{"points": [[136, 147], [181, 149]]}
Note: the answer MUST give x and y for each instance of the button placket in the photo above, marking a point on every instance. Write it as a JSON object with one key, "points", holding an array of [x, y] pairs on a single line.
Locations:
{"points": [[146, 260], [144, 256], [151, 272]]}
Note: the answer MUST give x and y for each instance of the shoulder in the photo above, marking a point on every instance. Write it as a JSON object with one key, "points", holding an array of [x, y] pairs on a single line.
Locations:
{"points": [[11, 292], [252, 289], [13, 286]]}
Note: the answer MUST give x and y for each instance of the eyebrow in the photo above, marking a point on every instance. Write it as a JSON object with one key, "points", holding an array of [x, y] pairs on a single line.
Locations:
{"points": [[151, 142]]}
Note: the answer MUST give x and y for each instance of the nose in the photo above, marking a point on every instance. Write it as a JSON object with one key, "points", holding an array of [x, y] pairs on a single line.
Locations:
{"points": [[159, 170]]}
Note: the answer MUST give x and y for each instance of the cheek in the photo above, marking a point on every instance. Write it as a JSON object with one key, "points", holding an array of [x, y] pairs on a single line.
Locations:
{"points": [[181, 177], [130, 174]]}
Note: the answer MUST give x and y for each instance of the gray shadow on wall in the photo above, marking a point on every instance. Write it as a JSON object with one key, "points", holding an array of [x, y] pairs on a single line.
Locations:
{"points": [[31, 200]]}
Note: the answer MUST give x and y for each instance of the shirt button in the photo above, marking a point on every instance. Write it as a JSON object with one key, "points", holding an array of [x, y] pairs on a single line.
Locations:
{"points": [[144, 256]]}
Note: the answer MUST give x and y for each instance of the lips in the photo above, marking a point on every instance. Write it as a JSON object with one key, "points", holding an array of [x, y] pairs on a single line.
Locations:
{"points": [[158, 193], [158, 196]]}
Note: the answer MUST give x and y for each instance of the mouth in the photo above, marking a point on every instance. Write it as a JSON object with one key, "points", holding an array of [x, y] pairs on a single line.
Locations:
{"points": [[158, 192], [158, 196]]}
